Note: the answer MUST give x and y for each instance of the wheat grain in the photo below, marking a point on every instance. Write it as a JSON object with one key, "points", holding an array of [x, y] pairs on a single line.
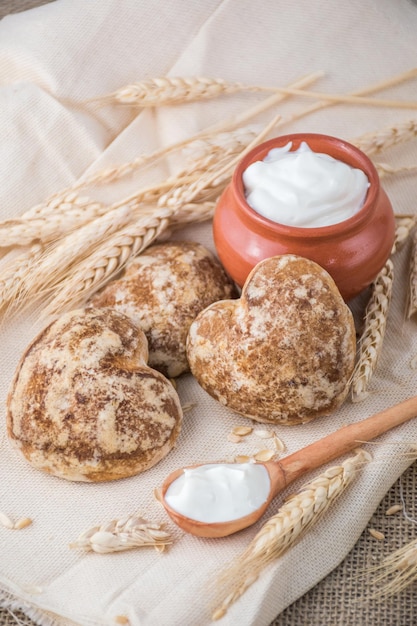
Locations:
{"points": [[6, 521], [242, 458], [188, 406], [372, 337], [242, 431], [376, 534], [125, 534], [264, 434], [278, 443], [380, 140], [395, 508], [169, 90], [234, 438], [282, 530], [264, 455], [23, 522]]}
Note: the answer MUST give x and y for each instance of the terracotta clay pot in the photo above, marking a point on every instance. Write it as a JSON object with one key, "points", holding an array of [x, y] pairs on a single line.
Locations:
{"points": [[352, 251]]}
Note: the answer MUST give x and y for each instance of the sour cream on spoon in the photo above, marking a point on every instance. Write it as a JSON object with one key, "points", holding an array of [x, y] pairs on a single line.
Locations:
{"points": [[219, 492]]}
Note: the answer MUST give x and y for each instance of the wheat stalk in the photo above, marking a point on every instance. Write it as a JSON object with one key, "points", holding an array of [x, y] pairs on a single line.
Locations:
{"points": [[340, 98], [108, 258], [124, 534], [281, 531], [391, 82], [226, 130], [372, 337], [380, 140], [195, 182]]}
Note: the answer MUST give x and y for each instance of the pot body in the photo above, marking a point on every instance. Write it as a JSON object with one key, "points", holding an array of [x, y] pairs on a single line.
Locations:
{"points": [[352, 251]]}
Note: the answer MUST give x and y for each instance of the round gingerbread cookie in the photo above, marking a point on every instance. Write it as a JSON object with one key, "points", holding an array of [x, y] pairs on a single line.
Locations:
{"points": [[163, 290]]}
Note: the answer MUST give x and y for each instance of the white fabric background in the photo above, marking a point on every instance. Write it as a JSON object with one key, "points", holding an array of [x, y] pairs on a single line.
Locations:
{"points": [[51, 59]]}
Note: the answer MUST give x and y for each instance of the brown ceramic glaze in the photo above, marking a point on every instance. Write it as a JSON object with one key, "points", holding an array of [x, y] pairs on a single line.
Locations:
{"points": [[352, 251]]}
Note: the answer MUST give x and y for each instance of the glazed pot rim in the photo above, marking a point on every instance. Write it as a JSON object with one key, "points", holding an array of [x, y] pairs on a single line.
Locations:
{"points": [[338, 148]]}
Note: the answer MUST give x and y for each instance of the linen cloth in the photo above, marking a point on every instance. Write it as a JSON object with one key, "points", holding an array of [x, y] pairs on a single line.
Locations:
{"points": [[53, 59]]}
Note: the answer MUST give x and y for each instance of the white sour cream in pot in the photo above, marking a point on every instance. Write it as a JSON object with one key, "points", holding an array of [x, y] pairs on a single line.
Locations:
{"points": [[219, 492], [304, 188]]}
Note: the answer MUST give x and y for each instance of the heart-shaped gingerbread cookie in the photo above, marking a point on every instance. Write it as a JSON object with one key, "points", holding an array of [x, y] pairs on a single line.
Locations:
{"points": [[85, 406], [284, 352]]}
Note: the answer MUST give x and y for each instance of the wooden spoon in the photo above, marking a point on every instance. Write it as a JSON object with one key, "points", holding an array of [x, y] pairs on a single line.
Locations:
{"points": [[288, 469]]}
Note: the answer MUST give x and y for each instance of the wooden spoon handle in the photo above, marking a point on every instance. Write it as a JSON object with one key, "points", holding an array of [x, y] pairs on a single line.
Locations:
{"points": [[345, 439]]}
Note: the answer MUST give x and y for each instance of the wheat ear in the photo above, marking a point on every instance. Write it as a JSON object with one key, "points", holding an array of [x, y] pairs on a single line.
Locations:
{"points": [[124, 534], [45, 222], [372, 337], [396, 572], [404, 224], [54, 266], [412, 280], [385, 169], [113, 253], [380, 140], [167, 90], [280, 532], [56, 260], [13, 273]]}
